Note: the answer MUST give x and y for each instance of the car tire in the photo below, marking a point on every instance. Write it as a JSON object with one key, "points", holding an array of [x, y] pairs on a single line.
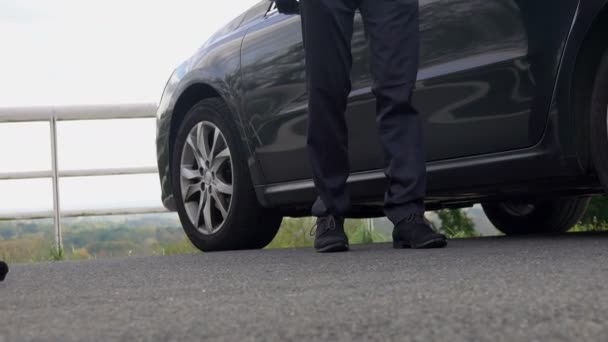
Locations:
{"points": [[218, 194], [538, 217], [599, 122]]}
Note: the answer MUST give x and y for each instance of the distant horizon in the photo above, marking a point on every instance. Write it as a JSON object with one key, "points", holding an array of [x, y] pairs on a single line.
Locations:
{"points": [[481, 222], [101, 206]]}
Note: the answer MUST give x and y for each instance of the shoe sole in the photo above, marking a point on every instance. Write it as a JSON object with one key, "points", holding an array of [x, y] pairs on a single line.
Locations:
{"points": [[434, 243], [333, 248]]}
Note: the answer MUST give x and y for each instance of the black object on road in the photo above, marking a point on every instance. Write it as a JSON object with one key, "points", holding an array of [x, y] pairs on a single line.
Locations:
{"points": [[3, 270]]}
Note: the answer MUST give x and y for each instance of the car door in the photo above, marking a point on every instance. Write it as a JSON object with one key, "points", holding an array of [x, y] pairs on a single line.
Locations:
{"points": [[485, 83], [477, 89], [275, 99], [274, 96]]}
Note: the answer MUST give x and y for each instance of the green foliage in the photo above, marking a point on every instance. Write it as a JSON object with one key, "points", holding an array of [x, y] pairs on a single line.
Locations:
{"points": [[456, 224], [106, 248], [298, 232], [176, 248], [596, 217], [139, 235], [359, 232], [589, 227], [33, 248], [57, 254], [22, 229], [93, 237], [294, 233], [597, 212]]}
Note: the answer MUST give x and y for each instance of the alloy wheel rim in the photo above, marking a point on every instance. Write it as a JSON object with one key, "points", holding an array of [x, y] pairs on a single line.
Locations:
{"points": [[206, 177]]}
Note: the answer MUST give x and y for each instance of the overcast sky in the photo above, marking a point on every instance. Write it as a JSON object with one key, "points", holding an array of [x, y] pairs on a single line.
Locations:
{"points": [[64, 52], [92, 51]]}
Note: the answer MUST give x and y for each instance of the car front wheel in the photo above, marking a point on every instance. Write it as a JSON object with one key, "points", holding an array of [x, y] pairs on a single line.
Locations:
{"points": [[215, 198], [536, 217]]}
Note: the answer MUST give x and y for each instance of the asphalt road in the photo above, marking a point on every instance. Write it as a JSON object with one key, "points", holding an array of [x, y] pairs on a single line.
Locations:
{"points": [[489, 289]]}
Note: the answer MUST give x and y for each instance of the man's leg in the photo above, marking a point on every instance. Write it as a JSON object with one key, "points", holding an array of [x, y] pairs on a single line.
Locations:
{"points": [[327, 31], [392, 31]]}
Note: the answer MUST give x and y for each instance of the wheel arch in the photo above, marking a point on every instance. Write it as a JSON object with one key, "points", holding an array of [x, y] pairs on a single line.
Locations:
{"points": [[187, 99], [197, 92], [587, 61]]}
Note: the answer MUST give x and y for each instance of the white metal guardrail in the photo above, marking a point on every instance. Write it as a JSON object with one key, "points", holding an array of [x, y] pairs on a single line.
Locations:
{"points": [[75, 113]]}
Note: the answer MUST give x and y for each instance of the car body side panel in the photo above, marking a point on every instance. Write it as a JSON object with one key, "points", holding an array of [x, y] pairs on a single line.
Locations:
{"points": [[485, 83], [274, 96], [474, 89], [552, 167]]}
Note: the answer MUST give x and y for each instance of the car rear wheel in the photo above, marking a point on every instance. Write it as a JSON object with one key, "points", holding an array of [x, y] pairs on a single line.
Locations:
{"points": [[215, 199], [536, 217]]}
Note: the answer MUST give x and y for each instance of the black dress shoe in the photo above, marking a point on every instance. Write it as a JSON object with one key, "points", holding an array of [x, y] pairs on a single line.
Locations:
{"points": [[416, 232], [329, 234]]}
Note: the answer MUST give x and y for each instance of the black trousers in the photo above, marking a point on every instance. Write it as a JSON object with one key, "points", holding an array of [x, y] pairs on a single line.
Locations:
{"points": [[392, 31]]}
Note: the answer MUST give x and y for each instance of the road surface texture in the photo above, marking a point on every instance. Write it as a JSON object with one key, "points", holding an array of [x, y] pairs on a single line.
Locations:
{"points": [[487, 289]]}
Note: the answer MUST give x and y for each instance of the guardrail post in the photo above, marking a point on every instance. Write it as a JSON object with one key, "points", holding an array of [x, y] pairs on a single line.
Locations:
{"points": [[55, 179]]}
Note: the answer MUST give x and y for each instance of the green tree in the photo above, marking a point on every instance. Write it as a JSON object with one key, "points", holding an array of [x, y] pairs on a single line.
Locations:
{"points": [[596, 216], [299, 232], [294, 232], [358, 232], [597, 211], [456, 224]]}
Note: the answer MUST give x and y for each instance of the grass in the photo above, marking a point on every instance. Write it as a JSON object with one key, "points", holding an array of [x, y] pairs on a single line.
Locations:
{"points": [[34, 246], [593, 226], [29, 249], [176, 248], [299, 232], [57, 254], [294, 233]]}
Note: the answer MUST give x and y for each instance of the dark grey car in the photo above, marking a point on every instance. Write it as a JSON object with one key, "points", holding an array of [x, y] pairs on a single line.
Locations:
{"points": [[514, 95]]}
